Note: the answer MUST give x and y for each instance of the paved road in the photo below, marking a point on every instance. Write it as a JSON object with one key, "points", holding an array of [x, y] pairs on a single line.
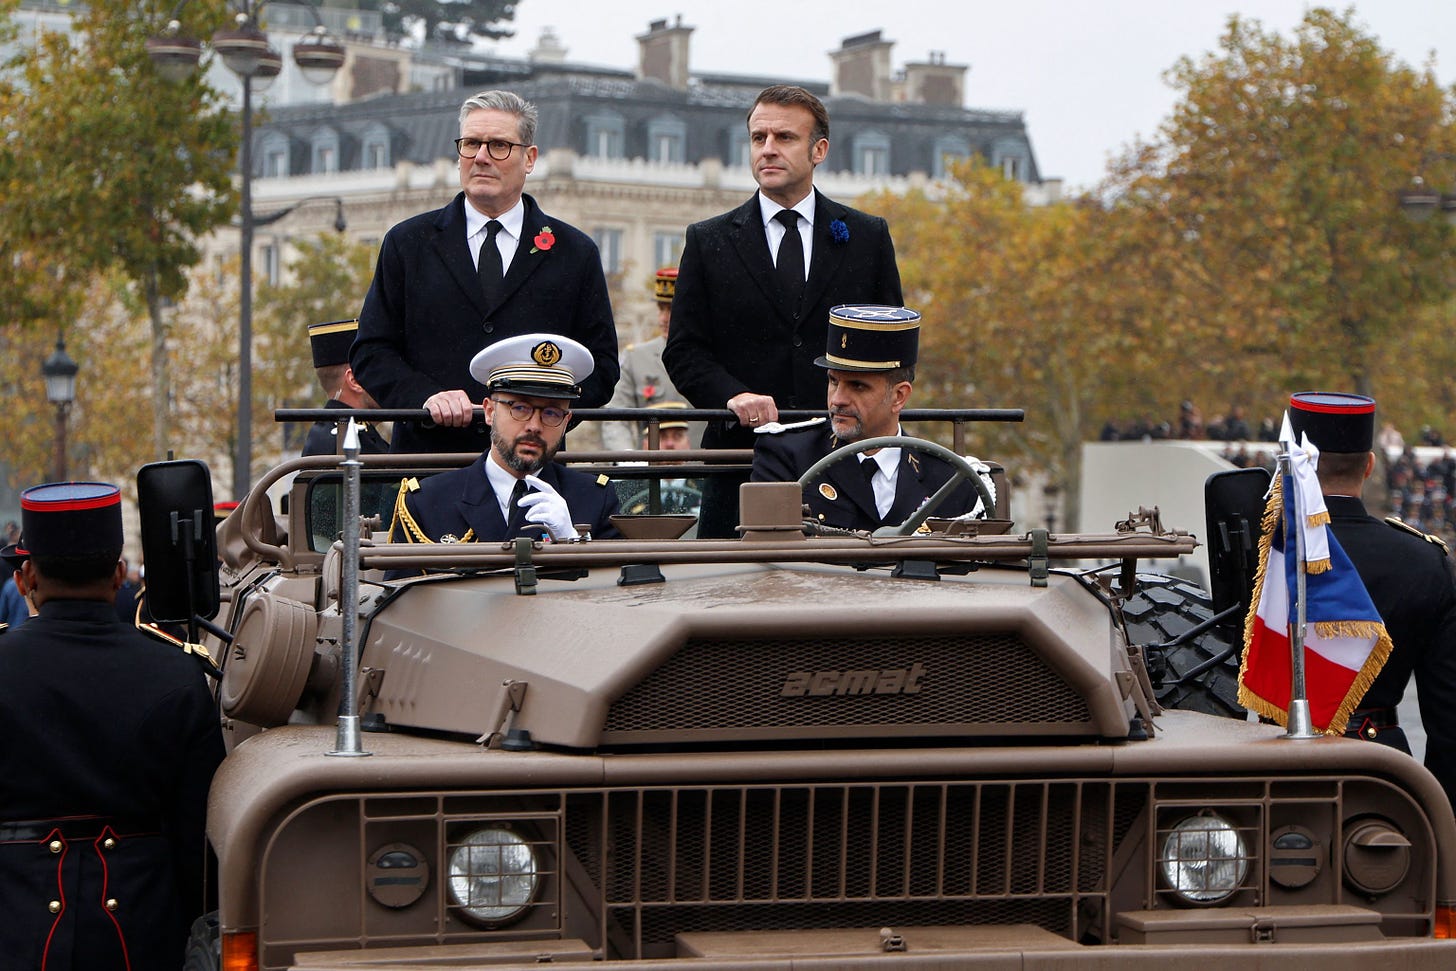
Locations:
{"points": [[1410, 720]]}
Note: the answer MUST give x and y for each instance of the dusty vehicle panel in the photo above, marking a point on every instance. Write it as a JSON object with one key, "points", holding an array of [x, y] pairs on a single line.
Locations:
{"points": [[832, 750]]}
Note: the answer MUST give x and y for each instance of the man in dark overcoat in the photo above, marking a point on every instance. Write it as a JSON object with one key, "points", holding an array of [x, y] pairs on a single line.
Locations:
{"points": [[750, 313], [870, 363], [489, 266], [108, 744], [1407, 573]]}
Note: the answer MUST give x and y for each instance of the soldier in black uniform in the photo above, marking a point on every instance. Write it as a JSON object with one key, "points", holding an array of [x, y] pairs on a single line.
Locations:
{"points": [[108, 744], [1407, 574], [330, 343], [870, 361]]}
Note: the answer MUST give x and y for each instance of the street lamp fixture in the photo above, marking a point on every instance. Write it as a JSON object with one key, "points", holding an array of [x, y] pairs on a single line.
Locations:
{"points": [[245, 49], [60, 371]]}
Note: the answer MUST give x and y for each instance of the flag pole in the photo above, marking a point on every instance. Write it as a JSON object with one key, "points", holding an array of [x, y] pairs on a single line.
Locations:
{"points": [[1300, 724]]}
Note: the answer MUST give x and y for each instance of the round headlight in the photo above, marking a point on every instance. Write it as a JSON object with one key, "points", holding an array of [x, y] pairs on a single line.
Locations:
{"points": [[1203, 859], [493, 875]]}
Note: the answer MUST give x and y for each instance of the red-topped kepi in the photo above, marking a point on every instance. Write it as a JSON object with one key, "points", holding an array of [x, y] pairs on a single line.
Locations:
{"points": [[1335, 421], [664, 284], [71, 519]]}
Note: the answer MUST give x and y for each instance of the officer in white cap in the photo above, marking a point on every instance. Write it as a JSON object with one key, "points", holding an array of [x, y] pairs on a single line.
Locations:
{"points": [[514, 486]]}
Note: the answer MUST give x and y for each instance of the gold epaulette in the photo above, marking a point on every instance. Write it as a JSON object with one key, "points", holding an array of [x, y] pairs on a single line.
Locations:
{"points": [[1404, 526], [201, 653]]}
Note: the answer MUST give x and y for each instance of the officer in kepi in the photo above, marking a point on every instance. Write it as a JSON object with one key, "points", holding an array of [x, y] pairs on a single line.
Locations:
{"points": [[514, 486], [330, 343], [1407, 573], [108, 744], [870, 363]]}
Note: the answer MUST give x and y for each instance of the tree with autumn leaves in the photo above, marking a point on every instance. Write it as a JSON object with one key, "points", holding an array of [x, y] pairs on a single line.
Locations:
{"points": [[1254, 247]]}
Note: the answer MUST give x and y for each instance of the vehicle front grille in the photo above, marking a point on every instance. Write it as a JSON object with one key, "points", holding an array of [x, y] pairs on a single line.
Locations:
{"points": [[721, 690]]}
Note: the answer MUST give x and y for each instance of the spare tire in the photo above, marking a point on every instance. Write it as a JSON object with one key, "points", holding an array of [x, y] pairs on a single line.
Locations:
{"points": [[1200, 673]]}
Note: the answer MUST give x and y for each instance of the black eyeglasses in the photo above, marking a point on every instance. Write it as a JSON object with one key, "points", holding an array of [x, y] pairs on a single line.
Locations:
{"points": [[551, 415], [498, 148]]}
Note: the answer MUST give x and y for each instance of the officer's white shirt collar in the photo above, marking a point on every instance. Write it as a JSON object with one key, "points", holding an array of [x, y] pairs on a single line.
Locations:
{"points": [[502, 483], [512, 221]]}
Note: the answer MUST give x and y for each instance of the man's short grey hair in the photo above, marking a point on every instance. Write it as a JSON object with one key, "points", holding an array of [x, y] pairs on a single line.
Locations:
{"points": [[511, 104]]}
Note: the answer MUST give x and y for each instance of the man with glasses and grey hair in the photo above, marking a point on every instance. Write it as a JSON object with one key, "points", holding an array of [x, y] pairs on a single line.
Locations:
{"points": [[489, 266], [530, 382]]}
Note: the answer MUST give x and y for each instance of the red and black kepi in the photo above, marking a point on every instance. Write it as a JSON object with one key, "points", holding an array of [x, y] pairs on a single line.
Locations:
{"points": [[71, 519], [1334, 420]]}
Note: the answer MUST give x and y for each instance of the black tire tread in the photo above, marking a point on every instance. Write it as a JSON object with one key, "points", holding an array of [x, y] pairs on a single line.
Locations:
{"points": [[1160, 609]]}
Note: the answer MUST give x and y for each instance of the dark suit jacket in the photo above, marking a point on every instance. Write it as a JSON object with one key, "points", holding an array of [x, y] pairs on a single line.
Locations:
{"points": [[425, 316], [841, 497], [461, 504], [323, 437], [108, 728], [1409, 580], [730, 330]]}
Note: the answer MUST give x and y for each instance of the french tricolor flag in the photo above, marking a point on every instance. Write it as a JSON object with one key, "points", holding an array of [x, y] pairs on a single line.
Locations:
{"points": [[1345, 642]]}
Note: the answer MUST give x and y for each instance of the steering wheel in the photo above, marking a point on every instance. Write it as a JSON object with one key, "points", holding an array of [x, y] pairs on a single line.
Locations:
{"points": [[962, 470]]}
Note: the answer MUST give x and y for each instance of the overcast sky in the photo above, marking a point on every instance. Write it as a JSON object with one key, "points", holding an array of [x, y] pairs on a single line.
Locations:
{"points": [[1087, 76]]}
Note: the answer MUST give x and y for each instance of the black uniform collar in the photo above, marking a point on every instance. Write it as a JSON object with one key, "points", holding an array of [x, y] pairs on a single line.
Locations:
{"points": [[1346, 507], [78, 610]]}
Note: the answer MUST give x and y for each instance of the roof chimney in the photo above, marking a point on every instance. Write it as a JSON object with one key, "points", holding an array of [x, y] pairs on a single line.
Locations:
{"points": [[549, 49], [934, 82], [663, 53], [862, 67]]}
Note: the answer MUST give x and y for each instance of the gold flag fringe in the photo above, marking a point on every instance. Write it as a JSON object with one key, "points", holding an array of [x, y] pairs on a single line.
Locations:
{"points": [[1317, 566], [1318, 519], [1273, 509], [1368, 671]]}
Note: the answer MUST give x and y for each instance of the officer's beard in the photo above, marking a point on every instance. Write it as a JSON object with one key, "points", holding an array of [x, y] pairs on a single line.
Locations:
{"points": [[516, 461]]}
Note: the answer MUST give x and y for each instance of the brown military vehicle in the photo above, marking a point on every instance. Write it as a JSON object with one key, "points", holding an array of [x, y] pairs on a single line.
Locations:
{"points": [[940, 749]]}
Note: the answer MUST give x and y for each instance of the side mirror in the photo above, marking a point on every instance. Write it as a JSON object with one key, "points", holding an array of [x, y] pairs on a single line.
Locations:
{"points": [[1233, 505], [179, 540]]}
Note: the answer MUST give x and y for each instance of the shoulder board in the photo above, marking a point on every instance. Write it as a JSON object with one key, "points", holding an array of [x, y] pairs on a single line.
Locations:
{"points": [[1408, 528], [198, 652], [602, 480]]}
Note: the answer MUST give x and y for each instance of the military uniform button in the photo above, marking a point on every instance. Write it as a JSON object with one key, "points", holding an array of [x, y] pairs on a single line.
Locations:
{"points": [[56, 846], [111, 903], [490, 328], [55, 906], [108, 843]]}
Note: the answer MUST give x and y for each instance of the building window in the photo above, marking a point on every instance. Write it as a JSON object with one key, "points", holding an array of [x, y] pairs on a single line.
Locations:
{"points": [[272, 270], [1011, 156], [376, 147], [666, 141], [609, 242], [1011, 167], [947, 150], [325, 152], [604, 136], [273, 150], [871, 154], [739, 150], [666, 248]]}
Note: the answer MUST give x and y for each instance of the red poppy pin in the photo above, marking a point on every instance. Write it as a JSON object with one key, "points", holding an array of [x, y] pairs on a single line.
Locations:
{"points": [[649, 391], [544, 240]]}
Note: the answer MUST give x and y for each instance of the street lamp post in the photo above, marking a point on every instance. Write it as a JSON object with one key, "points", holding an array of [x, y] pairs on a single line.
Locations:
{"points": [[60, 381], [246, 52]]}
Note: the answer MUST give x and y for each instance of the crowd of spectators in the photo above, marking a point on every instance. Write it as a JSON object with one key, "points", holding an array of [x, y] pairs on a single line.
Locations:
{"points": [[1421, 493]]}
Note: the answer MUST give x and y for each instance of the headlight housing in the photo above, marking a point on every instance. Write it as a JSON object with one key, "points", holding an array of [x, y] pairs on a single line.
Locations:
{"points": [[493, 875], [1203, 859]]}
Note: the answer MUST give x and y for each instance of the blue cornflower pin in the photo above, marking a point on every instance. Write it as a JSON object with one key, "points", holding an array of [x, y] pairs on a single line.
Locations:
{"points": [[838, 231]]}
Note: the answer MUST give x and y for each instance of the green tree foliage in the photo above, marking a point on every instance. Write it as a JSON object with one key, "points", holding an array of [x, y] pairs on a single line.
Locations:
{"points": [[1277, 178], [107, 166], [445, 20]]}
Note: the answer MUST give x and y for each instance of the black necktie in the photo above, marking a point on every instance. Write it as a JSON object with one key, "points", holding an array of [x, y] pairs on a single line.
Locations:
{"points": [[868, 468], [514, 513], [489, 264], [790, 264]]}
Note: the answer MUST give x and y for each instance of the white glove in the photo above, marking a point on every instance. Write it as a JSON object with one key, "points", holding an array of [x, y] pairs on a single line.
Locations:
{"points": [[983, 470], [546, 508]]}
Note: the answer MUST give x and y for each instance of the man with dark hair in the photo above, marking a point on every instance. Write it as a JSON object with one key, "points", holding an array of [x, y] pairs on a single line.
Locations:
{"points": [[870, 361], [329, 343], [108, 744], [488, 266], [755, 287], [1407, 574], [530, 382]]}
